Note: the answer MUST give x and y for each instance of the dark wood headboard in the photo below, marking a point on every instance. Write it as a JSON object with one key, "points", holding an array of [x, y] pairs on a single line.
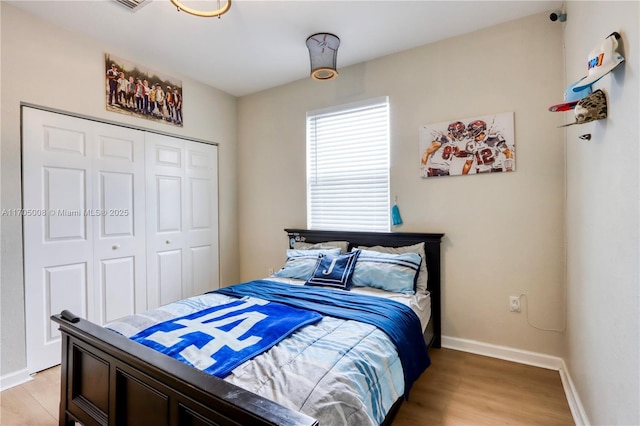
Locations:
{"points": [[390, 239]]}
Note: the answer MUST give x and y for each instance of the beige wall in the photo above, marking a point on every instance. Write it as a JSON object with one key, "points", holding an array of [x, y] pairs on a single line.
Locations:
{"points": [[603, 218], [504, 232], [51, 67]]}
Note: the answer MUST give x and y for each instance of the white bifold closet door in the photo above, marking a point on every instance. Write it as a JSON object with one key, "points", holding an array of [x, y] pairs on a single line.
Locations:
{"points": [[90, 234], [183, 227]]}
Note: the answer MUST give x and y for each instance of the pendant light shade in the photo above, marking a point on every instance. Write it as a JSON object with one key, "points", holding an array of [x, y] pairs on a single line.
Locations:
{"points": [[323, 52]]}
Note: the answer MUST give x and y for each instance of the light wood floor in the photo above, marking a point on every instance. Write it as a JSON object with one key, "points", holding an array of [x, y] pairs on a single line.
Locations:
{"points": [[458, 389], [34, 403]]}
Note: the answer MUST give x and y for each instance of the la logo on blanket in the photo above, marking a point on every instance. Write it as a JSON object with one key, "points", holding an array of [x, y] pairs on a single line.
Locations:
{"points": [[202, 358], [218, 339]]}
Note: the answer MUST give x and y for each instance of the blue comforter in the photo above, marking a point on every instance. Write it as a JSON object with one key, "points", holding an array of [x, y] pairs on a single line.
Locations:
{"points": [[398, 321]]}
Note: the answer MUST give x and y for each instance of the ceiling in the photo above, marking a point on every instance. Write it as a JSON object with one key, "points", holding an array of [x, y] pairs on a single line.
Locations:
{"points": [[260, 44]]}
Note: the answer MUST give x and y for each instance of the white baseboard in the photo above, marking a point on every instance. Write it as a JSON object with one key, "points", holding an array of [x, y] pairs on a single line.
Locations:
{"points": [[503, 352], [14, 379], [529, 358], [577, 410]]}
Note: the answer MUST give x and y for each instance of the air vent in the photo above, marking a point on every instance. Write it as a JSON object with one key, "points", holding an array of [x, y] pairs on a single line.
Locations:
{"points": [[133, 5]]}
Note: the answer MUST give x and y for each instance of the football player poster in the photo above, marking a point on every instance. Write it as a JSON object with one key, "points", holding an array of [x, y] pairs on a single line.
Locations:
{"points": [[139, 92], [484, 144]]}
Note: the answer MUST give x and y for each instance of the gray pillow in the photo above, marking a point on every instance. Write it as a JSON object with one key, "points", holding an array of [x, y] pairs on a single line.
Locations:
{"points": [[300, 264], [342, 245]]}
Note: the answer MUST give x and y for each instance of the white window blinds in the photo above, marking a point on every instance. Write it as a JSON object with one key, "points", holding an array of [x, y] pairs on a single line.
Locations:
{"points": [[348, 167]]}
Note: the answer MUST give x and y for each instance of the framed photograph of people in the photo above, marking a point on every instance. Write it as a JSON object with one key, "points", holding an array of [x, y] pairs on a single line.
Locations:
{"points": [[466, 146], [136, 91]]}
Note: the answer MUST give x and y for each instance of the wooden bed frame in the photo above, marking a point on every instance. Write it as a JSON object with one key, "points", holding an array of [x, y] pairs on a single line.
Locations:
{"points": [[108, 379]]}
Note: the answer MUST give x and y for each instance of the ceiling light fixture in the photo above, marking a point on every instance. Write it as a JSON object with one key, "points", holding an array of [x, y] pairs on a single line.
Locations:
{"points": [[323, 51], [203, 13]]}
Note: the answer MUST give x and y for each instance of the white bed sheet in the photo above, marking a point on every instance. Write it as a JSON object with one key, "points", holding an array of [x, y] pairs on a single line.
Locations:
{"points": [[419, 303]]}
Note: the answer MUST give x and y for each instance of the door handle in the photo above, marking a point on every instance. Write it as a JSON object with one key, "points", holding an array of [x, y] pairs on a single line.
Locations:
{"points": [[115, 247], [168, 242]]}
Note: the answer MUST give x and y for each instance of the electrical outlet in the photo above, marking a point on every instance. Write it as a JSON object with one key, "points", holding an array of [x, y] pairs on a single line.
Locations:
{"points": [[514, 303], [270, 271]]}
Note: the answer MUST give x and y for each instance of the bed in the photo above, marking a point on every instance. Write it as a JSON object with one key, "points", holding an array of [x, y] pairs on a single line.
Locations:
{"points": [[109, 379]]}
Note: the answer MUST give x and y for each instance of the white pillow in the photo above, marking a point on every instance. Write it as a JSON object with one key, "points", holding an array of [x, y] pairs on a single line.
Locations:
{"points": [[423, 275]]}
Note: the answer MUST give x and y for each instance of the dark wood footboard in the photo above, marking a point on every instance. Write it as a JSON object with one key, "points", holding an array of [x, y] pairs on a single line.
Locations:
{"points": [[108, 379]]}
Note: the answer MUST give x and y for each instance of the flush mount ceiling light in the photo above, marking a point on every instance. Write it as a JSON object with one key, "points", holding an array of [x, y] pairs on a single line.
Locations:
{"points": [[323, 51], [203, 13]]}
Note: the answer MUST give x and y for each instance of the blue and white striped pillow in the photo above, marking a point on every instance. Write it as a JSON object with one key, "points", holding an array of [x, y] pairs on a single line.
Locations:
{"points": [[387, 271], [300, 264]]}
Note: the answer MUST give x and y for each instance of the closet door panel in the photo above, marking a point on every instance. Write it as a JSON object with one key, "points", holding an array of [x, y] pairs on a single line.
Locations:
{"points": [[202, 222], [118, 287], [166, 276], [58, 237], [182, 188], [170, 275], [169, 204], [60, 283], [201, 269], [119, 213], [200, 192], [65, 202], [116, 205]]}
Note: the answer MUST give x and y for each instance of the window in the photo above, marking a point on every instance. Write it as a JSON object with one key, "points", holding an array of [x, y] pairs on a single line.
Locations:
{"points": [[348, 167]]}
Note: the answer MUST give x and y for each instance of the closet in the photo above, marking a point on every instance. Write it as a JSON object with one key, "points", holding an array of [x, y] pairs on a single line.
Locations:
{"points": [[115, 221]]}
